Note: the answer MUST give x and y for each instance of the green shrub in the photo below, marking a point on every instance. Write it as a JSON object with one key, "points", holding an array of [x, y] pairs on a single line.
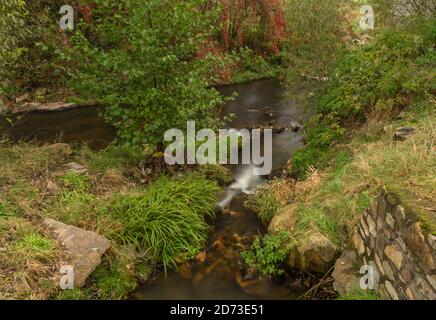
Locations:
{"points": [[140, 59], [253, 66], [321, 132], [28, 37], [376, 81], [268, 254], [315, 27], [170, 217], [379, 77]]}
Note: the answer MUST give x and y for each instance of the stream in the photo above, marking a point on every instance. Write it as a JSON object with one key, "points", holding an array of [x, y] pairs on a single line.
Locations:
{"points": [[216, 275]]}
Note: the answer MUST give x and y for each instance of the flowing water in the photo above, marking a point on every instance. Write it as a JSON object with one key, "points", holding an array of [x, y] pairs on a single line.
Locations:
{"points": [[216, 274]]}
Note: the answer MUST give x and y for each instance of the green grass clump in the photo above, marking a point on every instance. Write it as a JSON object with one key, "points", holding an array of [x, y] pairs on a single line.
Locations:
{"points": [[360, 294], [113, 157], [75, 294], [75, 182], [34, 246], [170, 217], [7, 210], [113, 283], [312, 216], [269, 199]]}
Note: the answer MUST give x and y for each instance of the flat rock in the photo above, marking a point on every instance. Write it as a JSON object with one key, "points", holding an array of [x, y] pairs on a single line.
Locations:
{"points": [[84, 248]]}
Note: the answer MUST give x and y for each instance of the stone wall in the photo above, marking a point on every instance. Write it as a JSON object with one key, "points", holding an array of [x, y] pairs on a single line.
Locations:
{"points": [[403, 254]]}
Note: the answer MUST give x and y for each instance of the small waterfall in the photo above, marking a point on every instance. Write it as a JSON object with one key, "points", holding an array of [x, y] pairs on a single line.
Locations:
{"points": [[246, 182]]}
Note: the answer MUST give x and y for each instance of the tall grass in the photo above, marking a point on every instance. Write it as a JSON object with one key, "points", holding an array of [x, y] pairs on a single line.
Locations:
{"points": [[170, 218], [269, 199]]}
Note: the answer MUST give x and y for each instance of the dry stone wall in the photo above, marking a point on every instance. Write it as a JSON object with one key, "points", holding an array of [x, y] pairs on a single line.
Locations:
{"points": [[401, 251]]}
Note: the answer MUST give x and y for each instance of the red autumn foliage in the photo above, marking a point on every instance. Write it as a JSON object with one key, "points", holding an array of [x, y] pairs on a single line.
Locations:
{"points": [[238, 16], [85, 10]]}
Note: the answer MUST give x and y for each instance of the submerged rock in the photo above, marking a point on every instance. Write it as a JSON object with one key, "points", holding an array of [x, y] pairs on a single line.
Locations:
{"points": [[285, 220], [84, 248], [201, 257], [315, 253], [345, 273], [255, 287]]}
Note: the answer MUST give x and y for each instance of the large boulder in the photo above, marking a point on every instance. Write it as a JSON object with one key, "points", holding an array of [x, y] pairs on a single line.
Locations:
{"points": [[285, 220], [346, 274], [84, 248], [315, 253]]}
